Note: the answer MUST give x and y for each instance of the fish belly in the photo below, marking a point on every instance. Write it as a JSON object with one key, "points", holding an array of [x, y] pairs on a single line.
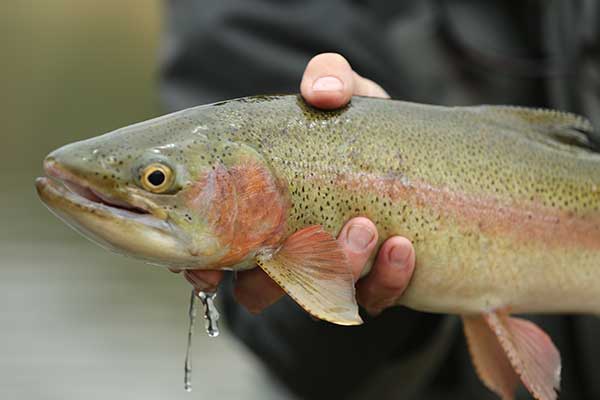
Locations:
{"points": [[472, 273]]}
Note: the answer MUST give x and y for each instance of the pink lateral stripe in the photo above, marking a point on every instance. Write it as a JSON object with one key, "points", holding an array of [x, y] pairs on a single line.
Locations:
{"points": [[490, 215]]}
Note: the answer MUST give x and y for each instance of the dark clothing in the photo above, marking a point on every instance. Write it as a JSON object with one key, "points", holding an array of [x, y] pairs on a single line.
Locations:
{"points": [[544, 54]]}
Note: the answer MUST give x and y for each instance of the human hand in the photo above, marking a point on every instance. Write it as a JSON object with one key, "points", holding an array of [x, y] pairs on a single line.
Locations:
{"points": [[328, 83]]}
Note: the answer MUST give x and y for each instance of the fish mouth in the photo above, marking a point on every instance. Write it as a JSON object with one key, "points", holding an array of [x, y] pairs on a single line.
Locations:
{"points": [[72, 195], [136, 230], [82, 193]]}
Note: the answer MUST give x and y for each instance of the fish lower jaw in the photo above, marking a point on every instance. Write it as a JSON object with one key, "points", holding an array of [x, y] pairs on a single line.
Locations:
{"points": [[139, 235]]}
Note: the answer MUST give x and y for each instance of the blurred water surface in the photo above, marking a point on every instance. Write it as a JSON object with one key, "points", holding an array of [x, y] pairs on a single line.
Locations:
{"points": [[77, 321]]}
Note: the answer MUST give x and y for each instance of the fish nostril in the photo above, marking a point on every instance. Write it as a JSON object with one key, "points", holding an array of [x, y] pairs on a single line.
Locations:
{"points": [[53, 168], [49, 163]]}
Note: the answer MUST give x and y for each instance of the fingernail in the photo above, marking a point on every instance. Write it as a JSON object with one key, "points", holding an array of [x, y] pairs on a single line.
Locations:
{"points": [[328, 84], [359, 237], [397, 257]]}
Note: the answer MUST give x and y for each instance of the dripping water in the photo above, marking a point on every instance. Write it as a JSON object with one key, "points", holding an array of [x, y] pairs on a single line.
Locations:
{"points": [[211, 315], [187, 376]]}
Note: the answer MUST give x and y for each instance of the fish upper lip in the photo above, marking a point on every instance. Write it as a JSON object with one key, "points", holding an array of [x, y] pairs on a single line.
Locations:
{"points": [[83, 189]]}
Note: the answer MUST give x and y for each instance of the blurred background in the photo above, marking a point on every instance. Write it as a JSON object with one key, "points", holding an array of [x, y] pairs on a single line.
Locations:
{"points": [[79, 321], [75, 319]]}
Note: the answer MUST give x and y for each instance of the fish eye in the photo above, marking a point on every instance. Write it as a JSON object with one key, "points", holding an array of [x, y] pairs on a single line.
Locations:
{"points": [[156, 178]]}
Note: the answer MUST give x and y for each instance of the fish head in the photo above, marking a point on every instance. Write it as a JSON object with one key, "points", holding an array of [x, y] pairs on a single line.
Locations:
{"points": [[171, 191]]}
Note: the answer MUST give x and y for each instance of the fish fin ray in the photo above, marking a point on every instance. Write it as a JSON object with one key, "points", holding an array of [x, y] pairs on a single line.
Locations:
{"points": [[530, 351], [313, 270], [490, 361]]}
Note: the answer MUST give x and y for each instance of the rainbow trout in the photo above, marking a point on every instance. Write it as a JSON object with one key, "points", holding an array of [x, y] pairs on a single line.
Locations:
{"points": [[501, 203]]}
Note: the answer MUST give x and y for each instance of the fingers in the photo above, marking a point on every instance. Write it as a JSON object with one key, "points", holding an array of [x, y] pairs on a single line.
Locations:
{"points": [[203, 280], [389, 277], [366, 87], [256, 291], [358, 239], [329, 82], [391, 272]]}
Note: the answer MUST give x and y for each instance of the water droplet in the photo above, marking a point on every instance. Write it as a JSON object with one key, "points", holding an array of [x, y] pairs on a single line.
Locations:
{"points": [[187, 376], [211, 314]]}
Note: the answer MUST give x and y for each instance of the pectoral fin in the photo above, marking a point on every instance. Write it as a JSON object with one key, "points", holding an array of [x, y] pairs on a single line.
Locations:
{"points": [[312, 268], [505, 349]]}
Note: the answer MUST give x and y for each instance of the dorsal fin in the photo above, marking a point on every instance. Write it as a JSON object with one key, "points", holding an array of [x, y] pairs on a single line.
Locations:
{"points": [[562, 126]]}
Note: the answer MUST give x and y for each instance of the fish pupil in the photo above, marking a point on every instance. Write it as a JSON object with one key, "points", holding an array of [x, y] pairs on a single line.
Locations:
{"points": [[156, 178]]}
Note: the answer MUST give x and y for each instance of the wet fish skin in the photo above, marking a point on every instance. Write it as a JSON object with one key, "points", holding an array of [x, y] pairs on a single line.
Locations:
{"points": [[501, 213], [498, 211], [502, 205]]}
